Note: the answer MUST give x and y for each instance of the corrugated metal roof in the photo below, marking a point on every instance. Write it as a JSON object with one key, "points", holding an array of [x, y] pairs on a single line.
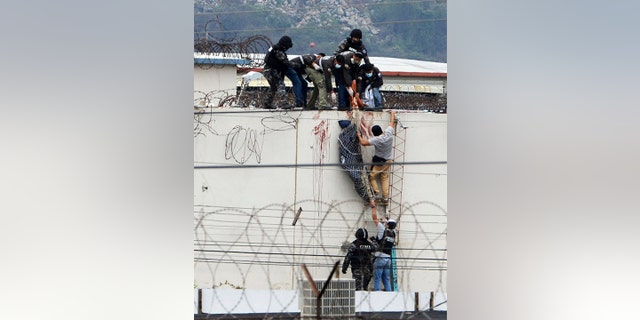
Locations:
{"points": [[388, 66], [408, 67]]}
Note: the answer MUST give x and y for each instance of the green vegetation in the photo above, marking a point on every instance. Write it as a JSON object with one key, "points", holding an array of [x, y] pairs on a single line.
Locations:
{"points": [[404, 29]]}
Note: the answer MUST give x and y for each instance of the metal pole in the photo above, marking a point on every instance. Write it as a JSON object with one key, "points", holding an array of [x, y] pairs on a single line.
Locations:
{"points": [[431, 298], [199, 301], [314, 288]]}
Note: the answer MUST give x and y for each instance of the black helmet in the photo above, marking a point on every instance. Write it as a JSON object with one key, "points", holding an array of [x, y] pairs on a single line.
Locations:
{"points": [[285, 42], [362, 233], [356, 33]]}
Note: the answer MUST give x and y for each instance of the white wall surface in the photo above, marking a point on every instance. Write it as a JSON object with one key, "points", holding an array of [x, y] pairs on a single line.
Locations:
{"points": [[212, 83], [243, 215], [223, 301]]}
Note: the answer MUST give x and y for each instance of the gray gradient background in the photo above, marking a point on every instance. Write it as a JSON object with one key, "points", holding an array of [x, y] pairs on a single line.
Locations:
{"points": [[96, 164]]}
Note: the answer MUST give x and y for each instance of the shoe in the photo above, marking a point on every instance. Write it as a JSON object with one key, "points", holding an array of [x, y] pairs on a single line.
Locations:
{"points": [[268, 107]]}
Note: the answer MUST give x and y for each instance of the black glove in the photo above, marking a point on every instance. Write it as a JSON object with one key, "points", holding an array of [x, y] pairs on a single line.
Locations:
{"points": [[373, 239], [344, 271]]}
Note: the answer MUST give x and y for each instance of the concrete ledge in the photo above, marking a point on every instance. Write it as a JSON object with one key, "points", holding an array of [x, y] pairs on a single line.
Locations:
{"points": [[250, 301]]}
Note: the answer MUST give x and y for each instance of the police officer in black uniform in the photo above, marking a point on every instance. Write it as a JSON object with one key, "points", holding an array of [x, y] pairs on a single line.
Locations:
{"points": [[353, 43], [276, 65], [359, 257]]}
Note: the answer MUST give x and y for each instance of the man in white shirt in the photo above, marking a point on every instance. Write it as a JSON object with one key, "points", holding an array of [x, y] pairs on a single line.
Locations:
{"points": [[382, 158], [385, 241]]}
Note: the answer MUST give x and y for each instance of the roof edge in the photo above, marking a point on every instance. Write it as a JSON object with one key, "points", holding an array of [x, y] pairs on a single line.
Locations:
{"points": [[393, 73], [414, 74]]}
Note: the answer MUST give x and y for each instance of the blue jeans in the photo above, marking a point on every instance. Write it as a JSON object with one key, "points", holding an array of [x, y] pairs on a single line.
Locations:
{"points": [[377, 98], [343, 94], [343, 98], [304, 89], [296, 82], [382, 271]]}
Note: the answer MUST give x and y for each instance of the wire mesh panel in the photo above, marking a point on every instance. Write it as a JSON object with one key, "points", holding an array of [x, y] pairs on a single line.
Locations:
{"points": [[338, 300]]}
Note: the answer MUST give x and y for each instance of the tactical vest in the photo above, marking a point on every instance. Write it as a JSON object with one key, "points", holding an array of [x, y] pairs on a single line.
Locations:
{"points": [[362, 253], [388, 239], [271, 60]]}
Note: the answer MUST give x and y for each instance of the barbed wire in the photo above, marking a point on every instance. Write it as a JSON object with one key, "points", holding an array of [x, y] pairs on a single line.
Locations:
{"points": [[252, 97], [262, 249]]}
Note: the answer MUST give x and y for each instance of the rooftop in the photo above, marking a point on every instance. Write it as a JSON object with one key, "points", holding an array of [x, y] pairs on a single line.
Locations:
{"points": [[388, 66]]}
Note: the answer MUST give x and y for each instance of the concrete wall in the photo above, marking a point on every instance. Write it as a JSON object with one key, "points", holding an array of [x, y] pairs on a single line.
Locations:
{"points": [[212, 83], [243, 214]]}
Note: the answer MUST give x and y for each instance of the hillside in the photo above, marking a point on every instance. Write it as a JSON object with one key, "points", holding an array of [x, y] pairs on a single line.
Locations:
{"points": [[409, 29]]}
